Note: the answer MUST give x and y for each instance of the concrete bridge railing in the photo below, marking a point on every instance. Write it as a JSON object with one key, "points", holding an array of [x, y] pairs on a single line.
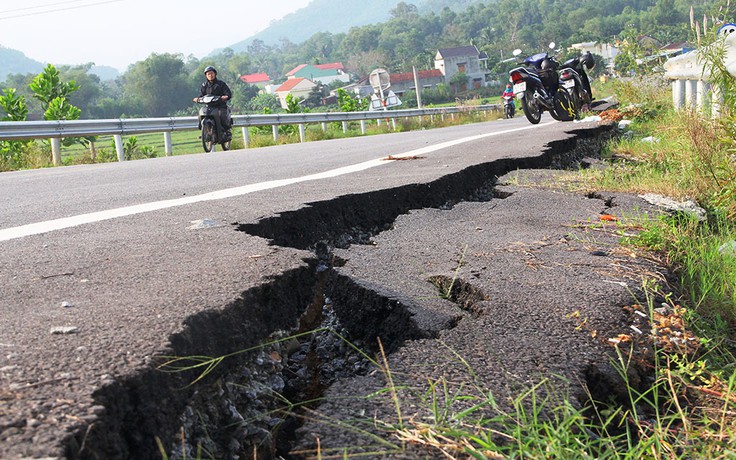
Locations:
{"points": [[691, 86]]}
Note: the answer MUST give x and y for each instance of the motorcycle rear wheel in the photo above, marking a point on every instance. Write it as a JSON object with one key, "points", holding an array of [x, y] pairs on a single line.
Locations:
{"points": [[577, 101], [208, 137], [565, 107], [531, 108]]}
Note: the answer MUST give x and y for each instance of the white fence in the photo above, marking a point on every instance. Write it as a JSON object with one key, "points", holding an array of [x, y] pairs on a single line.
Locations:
{"points": [[58, 129]]}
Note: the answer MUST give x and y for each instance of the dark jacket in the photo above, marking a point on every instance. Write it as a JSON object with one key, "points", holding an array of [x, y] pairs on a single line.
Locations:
{"points": [[215, 88]]}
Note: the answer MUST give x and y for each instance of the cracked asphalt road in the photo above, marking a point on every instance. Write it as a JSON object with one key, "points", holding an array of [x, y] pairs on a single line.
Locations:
{"points": [[533, 260]]}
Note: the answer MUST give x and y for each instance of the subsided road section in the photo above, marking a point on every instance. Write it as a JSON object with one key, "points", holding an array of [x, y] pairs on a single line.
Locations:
{"points": [[331, 267]]}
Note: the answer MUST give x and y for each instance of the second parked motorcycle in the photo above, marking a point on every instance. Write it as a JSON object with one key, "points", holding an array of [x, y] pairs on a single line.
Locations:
{"points": [[575, 80], [539, 88]]}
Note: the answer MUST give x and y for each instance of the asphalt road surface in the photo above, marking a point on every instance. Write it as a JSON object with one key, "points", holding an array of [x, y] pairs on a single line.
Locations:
{"points": [[105, 269]]}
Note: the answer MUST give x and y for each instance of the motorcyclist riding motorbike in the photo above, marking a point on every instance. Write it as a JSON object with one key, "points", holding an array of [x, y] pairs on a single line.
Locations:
{"points": [[508, 97], [215, 87]]}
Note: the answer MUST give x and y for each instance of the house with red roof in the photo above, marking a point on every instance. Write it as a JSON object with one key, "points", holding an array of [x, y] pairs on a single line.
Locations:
{"points": [[321, 73], [257, 79], [427, 79], [298, 87]]}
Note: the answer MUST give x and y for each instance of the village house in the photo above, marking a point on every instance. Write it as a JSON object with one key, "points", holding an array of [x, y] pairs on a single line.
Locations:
{"points": [[605, 50], [463, 59], [428, 79], [297, 87], [361, 88], [258, 79], [320, 73]]}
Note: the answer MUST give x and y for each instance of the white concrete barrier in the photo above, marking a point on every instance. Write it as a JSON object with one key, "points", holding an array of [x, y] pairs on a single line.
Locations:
{"points": [[690, 77]]}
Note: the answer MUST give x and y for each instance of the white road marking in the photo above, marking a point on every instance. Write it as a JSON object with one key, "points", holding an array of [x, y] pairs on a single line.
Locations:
{"points": [[92, 217]]}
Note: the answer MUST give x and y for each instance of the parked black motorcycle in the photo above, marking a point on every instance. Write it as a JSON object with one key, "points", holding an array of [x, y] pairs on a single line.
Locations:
{"points": [[537, 84], [576, 81], [210, 123]]}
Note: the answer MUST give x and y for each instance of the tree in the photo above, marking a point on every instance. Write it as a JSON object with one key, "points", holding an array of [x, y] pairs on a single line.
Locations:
{"points": [[263, 102], [403, 9], [159, 84], [89, 85], [350, 103], [315, 96], [53, 94], [243, 93], [14, 106]]}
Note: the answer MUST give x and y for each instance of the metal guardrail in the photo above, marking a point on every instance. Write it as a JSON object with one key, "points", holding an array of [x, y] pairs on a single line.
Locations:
{"points": [[57, 129]]}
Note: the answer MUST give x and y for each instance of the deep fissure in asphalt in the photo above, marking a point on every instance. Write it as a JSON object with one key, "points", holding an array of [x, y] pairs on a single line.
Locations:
{"points": [[302, 329]]}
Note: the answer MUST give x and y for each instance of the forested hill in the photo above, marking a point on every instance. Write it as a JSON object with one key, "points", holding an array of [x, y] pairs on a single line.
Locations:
{"points": [[526, 20], [14, 61], [411, 34], [334, 16], [339, 16]]}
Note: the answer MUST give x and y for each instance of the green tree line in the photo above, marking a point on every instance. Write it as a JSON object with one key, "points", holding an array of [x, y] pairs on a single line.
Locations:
{"points": [[163, 84]]}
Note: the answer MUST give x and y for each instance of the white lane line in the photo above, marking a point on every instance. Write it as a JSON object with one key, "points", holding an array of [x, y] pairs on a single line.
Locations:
{"points": [[81, 219]]}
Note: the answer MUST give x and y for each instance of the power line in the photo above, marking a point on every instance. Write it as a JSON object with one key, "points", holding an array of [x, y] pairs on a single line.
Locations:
{"points": [[41, 6], [37, 13]]}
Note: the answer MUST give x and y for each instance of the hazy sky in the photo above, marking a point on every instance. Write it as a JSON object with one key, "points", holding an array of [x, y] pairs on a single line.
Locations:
{"points": [[117, 33]]}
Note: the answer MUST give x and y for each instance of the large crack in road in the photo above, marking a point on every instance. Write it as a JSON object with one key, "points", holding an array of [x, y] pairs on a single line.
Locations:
{"points": [[300, 333]]}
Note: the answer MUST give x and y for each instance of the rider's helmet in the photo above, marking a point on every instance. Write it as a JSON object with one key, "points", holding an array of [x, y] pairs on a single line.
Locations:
{"points": [[208, 68]]}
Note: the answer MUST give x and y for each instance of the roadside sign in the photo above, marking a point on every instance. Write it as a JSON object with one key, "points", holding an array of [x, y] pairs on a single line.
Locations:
{"points": [[383, 103], [382, 97], [380, 80]]}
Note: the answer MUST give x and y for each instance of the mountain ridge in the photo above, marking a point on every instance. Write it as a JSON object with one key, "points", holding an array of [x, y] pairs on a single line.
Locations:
{"points": [[334, 21]]}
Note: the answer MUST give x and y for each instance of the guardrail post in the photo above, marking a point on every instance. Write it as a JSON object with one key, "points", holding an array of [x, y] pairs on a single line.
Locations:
{"points": [[324, 127], [344, 126], [393, 123], [168, 150], [275, 130], [302, 132], [56, 150], [362, 126], [246, 137], [119, 147]]}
